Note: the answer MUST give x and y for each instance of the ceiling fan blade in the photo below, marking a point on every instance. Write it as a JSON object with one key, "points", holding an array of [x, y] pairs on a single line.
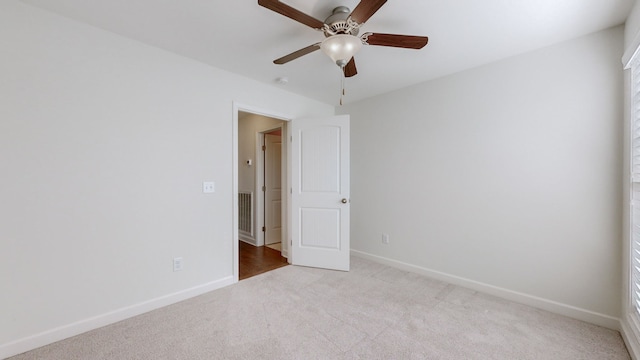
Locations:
{"points": [[365, 9], [350, 69], [291, 13], [401, 41], [296, 54]]}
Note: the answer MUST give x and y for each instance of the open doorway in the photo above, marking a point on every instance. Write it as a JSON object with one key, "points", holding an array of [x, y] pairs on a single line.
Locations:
{"points": [[315, 209], [261, 175]]}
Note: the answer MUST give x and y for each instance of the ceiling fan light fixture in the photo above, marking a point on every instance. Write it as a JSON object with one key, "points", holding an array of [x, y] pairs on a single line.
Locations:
{"points": [[341, 48]]}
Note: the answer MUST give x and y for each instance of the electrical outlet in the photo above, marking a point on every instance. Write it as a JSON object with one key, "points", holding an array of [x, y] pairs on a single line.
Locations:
{"points": [[208, 187], [385, 238], [177, 264]]}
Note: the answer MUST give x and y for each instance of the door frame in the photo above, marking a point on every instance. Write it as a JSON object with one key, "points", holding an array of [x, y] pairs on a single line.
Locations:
{"points": [[237, 107], [260, 171]]}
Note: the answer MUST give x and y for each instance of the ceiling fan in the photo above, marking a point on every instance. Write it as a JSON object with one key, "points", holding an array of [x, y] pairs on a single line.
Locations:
{"points": [[340, 30]]}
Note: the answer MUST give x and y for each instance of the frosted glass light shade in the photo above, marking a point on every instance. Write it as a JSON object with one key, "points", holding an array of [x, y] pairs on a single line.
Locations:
{"points": [[341, 48]]}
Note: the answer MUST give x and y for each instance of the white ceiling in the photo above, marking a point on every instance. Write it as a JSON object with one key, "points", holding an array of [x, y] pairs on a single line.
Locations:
{"points": [[242, 37]]}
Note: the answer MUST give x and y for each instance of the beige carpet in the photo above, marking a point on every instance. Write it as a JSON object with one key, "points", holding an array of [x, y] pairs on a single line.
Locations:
{"points": [[372, 312]]}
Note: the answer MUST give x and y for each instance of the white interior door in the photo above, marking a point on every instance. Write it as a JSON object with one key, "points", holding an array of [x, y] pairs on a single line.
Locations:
{"points": [[273, 189], [320, 192]]}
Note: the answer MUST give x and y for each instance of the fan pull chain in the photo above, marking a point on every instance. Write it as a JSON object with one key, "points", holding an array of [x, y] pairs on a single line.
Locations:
{"points": [[342, 92]]}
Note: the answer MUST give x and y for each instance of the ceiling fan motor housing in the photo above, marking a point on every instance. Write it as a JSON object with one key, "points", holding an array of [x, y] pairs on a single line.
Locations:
{"points": [[339, 23]]}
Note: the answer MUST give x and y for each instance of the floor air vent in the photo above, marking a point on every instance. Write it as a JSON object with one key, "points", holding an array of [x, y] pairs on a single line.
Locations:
{"points": [[245, 213]]}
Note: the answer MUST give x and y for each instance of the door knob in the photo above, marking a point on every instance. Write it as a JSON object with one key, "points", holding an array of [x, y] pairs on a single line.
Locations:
{"points": [[344, 201]]}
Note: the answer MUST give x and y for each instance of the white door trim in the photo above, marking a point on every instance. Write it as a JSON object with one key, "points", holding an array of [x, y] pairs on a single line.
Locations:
{"points": [[234, 184]]}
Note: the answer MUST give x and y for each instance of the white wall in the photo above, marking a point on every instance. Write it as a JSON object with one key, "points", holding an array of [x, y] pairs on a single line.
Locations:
{"points": [[632, 26], [104, 144], [506, 175]]}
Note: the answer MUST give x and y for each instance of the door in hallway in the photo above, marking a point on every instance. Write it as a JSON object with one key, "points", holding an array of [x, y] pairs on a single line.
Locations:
{"points": [[273, 188]]}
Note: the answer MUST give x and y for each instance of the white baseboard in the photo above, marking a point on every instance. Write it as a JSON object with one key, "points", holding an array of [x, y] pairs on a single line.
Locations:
{"points": [[248, 240], [534, 301], [79, 327]]}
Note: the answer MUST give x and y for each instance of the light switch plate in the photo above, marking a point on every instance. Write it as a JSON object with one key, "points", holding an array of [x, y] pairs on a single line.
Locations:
{"points": [[177, 264], [208, 187]]}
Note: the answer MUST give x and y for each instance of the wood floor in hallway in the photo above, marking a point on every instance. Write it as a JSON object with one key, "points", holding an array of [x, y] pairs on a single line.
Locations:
{"points": [[256, 260]]}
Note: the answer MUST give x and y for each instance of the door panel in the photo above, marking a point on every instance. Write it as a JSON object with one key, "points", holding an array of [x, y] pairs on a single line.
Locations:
{"points": [[320, 228], [320, 192], [320, 161]]}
